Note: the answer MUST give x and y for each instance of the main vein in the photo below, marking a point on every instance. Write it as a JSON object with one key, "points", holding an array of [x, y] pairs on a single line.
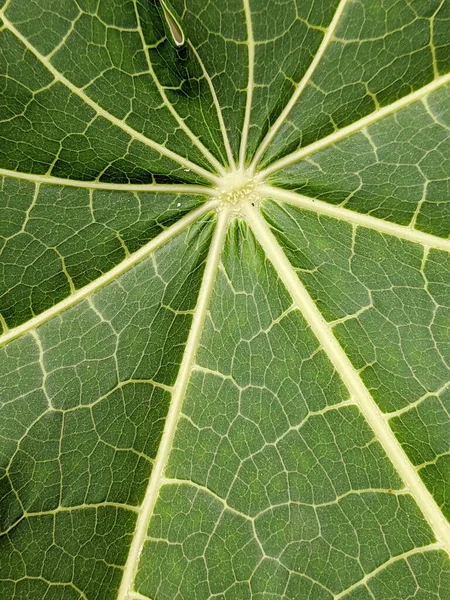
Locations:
{"points": [[179, 390], [327, 38], [194, 139], [223, 128], [350, 377], [105, 114], [359, 219], [106, 278], [170, 188], [369, 119], [250, 83]]}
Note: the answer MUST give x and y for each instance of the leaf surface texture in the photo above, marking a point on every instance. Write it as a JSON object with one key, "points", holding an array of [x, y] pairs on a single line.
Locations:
{"points": [[224, 300]]}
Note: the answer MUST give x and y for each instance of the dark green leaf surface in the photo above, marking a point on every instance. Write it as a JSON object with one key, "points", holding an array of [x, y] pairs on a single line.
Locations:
{"points": [[224, 300], [57, 239]]}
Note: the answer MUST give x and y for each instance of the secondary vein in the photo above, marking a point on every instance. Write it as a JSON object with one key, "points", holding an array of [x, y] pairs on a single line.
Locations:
{"points": [[250, 84], [194, 139]]}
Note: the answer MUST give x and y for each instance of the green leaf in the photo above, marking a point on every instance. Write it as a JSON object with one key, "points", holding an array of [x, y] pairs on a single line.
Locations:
{"points": [[224, 300]]}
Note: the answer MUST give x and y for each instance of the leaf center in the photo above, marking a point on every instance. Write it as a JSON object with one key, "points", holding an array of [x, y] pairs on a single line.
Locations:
{"points": [[237, 188]]}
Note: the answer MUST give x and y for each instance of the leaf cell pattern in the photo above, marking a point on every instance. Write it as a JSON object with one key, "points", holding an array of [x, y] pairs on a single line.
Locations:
{"points": [[224, 300]]}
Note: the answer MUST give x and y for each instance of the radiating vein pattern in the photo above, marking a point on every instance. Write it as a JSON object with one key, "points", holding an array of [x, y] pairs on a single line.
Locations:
{"points": [[291, 29], [84, 400], [272, 475], [224, 300]]}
